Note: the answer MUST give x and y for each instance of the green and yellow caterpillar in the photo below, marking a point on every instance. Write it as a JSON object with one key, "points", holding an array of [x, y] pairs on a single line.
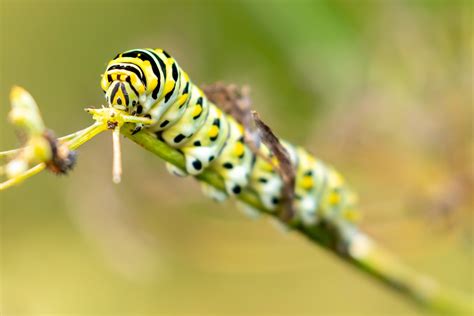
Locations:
{"points": [[149, 83]]}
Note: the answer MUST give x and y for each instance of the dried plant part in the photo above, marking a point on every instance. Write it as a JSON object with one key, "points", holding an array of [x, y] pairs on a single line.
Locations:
{"points": [[236, 102], [232, 99], [63, 158], [284, 167]]}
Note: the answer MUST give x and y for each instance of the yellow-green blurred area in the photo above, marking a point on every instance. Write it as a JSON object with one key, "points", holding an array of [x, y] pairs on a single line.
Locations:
{"points": [[381, 89]]}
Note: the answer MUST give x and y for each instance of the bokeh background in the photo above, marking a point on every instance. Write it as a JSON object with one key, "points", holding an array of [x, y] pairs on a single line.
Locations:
{"points": [[381, 89]]}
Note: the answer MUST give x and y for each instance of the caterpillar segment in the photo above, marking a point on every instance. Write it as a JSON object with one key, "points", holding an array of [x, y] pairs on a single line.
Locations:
{"points": [[235, 161], [309, 187], [265, 179], [150, 83], [207, 143]]}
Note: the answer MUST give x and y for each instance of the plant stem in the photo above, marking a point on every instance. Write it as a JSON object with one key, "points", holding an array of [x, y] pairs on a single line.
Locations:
{"points": [[361, 253], [85, 135], [25, 175]]}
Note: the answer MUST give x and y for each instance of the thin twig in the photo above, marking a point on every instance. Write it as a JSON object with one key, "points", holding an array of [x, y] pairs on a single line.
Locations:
{"points": [[25, 175], [68, 138], [86, 135]]}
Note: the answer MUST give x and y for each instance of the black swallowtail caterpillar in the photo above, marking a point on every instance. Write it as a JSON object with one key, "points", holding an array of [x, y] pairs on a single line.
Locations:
{"points": [[149, 83]]}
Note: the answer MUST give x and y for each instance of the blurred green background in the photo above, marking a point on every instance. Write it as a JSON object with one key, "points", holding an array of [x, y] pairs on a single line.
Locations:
{"points": [[381, 89]]}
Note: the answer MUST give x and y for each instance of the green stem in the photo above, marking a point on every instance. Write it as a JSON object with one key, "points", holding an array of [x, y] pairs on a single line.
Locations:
{"points": [[362, 254], [75, 139], [25, 175], [85, 135]]}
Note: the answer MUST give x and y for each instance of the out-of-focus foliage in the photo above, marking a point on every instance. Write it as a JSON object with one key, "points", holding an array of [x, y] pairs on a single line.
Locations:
{"points": [[382, 89]]}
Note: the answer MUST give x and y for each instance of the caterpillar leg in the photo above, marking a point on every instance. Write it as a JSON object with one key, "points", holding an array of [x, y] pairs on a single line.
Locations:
{"points": [[198, 158], [235, 173], [271, 192], [138, 127], [307, 211], [236, 179], [213, 193], [175, 170], [248, 210]]}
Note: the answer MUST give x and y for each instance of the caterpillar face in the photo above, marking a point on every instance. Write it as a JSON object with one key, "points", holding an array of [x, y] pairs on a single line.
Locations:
{"points": [[124, 85], [121, 95]]}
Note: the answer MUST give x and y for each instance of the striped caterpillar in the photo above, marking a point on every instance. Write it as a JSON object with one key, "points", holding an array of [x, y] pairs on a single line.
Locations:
{"points": [[149, 83]]}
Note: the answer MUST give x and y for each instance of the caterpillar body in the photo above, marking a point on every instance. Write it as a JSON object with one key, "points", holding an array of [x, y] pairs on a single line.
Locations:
{"points": [[149, 83]]}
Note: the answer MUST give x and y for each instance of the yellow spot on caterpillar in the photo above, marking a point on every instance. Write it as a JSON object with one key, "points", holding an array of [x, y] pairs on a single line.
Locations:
{"points": [[153, 84], [239, 149], [213, 131], [168, 86], [267, 167], [307, 182], [334, 198], [351, 215], [182, 99], [275, 161], [134, 79], [197, 110]]}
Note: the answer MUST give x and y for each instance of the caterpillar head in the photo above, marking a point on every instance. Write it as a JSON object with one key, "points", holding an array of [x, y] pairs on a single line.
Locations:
{"points": [[121, 95], [123, 87]]}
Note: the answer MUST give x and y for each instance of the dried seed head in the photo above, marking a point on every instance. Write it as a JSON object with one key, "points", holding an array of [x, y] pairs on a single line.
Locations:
{"points": [[63, 159]]}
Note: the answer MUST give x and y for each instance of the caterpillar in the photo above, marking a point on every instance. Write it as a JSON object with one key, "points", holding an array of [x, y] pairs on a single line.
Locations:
{"points": [[150, 83]]}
